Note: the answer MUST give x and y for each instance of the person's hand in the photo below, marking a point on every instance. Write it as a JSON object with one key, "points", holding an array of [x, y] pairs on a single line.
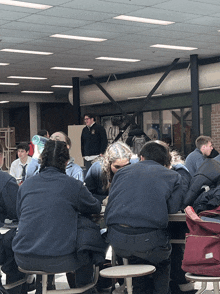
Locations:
{"points": [[105, 201], [36, 152]]}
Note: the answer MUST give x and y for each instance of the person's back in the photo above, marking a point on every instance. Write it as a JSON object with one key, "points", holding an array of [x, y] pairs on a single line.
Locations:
{"points": [[195, 159], [140, 199], [48, 207]]}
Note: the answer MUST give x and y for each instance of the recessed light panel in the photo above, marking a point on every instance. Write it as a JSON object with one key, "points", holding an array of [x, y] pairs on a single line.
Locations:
{"points": [[144, 20], [61, 86], [118, 59], [78, 38], [71, 68], [26, 78], [173, 47], [24, 4], [38, 92], [25, 51], [3, 64], [9, 84]]}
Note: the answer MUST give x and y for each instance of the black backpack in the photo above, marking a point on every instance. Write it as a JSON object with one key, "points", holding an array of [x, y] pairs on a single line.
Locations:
{"points": [[138, 143]]}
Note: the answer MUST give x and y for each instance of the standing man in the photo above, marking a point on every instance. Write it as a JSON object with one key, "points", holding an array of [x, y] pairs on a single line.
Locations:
{"points": [[93, 140], [19, 166], [203, 149]]}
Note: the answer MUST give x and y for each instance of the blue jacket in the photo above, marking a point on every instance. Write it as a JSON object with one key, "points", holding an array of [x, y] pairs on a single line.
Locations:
{"points": [[194, 160], [48, 205], [8, 195], [93, 180], [143, 194], [72, 169]]}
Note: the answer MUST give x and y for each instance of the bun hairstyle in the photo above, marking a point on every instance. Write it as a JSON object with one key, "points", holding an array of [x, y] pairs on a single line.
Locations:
{"points": [[55, 154]]}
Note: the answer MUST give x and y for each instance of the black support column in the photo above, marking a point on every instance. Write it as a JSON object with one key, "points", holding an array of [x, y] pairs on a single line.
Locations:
{"points": [[195, 97], [76, 101]]}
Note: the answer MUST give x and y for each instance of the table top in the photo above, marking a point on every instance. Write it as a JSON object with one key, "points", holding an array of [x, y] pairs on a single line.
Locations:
{"points": [[177, 217]]}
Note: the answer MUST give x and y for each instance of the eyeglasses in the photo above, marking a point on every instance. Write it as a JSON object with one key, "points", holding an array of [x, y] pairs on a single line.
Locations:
{"points": [[86, 119]]}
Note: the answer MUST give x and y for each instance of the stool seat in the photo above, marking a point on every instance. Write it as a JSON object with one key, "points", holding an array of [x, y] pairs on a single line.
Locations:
{"points": [[61, 291], [193, 277], [128, 271], [204, 280]]}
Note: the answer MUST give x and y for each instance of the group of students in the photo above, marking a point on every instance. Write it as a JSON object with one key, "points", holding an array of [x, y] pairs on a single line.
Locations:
{"points": [[54, 208]]}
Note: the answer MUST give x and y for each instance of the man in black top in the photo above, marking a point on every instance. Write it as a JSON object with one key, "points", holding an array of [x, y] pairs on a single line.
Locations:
{"points": [[93, 140]]}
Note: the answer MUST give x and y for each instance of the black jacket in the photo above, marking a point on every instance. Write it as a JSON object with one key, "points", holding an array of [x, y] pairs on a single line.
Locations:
{"points": [[207, 175], [8, 195], [93, 140]]}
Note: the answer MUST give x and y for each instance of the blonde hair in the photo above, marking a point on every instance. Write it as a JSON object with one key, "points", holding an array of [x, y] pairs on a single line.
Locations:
{"points": [[118, 150]]}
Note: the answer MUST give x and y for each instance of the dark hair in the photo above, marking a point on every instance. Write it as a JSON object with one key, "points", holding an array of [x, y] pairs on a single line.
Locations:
{"points": [[55, 154], [90, 115], [24, 146], [42, 133], [157, 152], [202, 140]]}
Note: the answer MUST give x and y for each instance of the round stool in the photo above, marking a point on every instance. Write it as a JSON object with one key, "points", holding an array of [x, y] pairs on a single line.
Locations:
{"points": [[128, 272], [204, 280]]}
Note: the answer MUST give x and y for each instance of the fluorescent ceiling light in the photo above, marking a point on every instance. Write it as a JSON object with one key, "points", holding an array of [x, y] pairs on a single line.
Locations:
{"points": [[4, 101], [173, 47], [78, 38], [71, 68], [61, 86], [26, 78], [26, 51], [118, 59], [37, 92], [144, 20], [9, 84], [3, 64], [25, 4]]}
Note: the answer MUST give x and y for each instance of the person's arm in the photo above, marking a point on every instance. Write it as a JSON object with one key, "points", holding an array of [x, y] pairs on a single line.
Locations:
{"points": [[104, 140], [175, 200], [9, 195], [13, 170], [87, 204], [82, 145], [32, 168], [93, 181]]}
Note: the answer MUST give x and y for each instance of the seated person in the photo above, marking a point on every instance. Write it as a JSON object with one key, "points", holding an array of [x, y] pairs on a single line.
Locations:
{"points": [[8, 194], [141, 197], [72, 169], [49, 207], [19, 166], [100, 174]]}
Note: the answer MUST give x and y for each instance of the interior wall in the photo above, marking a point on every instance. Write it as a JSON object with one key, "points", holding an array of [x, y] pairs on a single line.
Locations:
{"points": [[19, 119]]}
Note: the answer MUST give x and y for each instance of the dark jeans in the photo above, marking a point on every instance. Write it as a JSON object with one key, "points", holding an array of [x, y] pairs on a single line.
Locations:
{"points": [[80, 271], [9, 266], [156, 251]]}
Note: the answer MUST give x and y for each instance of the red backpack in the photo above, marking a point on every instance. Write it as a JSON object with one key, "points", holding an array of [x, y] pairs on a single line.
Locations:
{"points": [[202, 249]]}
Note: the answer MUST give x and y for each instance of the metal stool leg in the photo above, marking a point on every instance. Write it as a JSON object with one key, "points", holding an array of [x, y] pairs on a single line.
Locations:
{"points": [[216, 287], [44, 284], [204, 285]]}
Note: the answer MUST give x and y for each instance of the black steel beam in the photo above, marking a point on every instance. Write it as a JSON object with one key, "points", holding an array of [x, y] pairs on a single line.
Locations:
{"points": [[195, 97], [76, 102]]}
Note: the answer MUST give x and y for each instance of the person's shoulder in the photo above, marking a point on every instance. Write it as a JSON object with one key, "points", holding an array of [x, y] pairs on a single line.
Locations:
{"points": [[15, 161], [5, 176]]}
